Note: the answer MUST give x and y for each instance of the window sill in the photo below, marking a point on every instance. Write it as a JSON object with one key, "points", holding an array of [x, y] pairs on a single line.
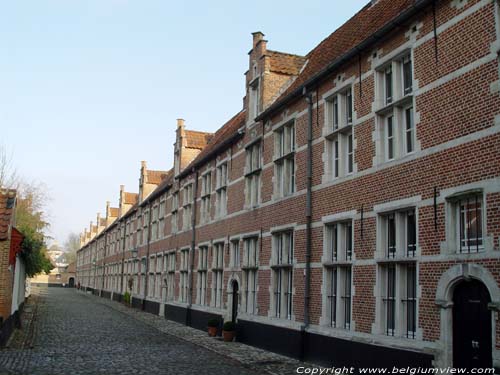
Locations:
{"points": [[405, 100], [288, 155], [282, 266], [249, 268], [398, 259], [340, 130], [330, 264], [253, 172]]}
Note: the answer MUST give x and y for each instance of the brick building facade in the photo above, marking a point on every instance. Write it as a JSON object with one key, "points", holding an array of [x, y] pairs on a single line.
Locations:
{"points": [[349, 214]]}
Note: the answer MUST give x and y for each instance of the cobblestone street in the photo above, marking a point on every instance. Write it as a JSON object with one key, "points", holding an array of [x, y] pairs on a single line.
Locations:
{"points": [[75, 333]]}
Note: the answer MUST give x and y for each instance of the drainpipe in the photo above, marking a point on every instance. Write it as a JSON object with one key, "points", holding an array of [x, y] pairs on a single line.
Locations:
{"points": [[307, 271], [193, 247], [146, 283]]}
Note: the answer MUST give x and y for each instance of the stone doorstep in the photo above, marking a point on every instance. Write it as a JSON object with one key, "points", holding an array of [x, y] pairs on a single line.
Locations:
{"points": [[249, 356]]}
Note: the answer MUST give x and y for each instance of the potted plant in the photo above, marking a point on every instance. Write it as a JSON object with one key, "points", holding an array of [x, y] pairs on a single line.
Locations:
{"points": [[126, 298], [213, 324], [228, 331]]}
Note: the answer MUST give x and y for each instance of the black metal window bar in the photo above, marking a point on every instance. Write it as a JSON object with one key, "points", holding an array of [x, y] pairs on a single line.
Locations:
{"points": [[411, 300], [470, 230], [390, 300], [332, 296], [347, 298], [284, 256]]}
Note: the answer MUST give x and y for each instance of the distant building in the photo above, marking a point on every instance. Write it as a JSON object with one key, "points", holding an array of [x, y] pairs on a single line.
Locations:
{"points": [[62, 275]]}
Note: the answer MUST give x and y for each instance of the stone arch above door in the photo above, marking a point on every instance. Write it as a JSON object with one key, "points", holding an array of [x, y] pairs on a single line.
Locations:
{"points": [[465, 271]]}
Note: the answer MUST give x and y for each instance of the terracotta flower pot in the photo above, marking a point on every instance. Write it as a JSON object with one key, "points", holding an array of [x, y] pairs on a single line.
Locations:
{"points": [[228, 335], [212, 331]]}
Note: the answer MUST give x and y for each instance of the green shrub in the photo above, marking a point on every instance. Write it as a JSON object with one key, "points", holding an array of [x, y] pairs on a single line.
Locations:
{"points": [[126, 297], [214, 322], [229, 326]]}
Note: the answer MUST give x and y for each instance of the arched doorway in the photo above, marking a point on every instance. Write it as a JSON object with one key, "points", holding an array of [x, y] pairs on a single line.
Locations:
{"points": [[234, 307], [71, 282], [472, 329]]}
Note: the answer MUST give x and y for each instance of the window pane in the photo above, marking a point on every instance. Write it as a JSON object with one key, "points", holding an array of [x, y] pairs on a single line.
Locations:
{"points": [[407, 75], [388, 85], [410, 130], [348, 99], [390, 138], [391, 236], [411, 234], [335, 111]]}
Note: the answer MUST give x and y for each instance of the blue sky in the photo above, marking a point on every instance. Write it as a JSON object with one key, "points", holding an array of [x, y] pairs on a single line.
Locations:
{"points": [[89, 88]]}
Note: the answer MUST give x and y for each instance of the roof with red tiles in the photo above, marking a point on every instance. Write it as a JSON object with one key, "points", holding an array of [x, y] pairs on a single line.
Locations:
{"points": [[361, 27], [7, 207], [196, 139], [155, 177], [228, 130], [130, 198], [286, 63], [102, 222], [113, 211]]}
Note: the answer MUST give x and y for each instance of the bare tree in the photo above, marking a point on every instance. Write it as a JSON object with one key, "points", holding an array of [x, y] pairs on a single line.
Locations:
{"points": [[8, 174], [71, 246]]}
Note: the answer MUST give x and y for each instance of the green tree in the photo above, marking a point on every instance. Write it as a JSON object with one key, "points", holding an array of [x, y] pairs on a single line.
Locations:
{"points": [[31, 222]]}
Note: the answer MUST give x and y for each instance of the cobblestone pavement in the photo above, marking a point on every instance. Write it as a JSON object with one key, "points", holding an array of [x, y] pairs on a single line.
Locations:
{"points": [[74, 333]]}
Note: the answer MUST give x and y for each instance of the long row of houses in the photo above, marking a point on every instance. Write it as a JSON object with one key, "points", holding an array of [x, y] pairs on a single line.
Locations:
{"points": [[349, 214]]}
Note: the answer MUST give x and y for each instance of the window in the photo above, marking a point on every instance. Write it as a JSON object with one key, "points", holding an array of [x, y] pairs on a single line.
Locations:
{"points": [[221, 189], [338, 273], [187, 199], [254, 102], [399, 237], [339, 134], [252, 175], [217, 274], [175, 208], [206, 190], [250, 267], [235, 254], [161, 219], [154, 224], [170, 260], [396, 116], [282, 271], [466, 224], [399, 291], [184, 285], [201, 296], [145, 227], [398, 272], [284, 154]]}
